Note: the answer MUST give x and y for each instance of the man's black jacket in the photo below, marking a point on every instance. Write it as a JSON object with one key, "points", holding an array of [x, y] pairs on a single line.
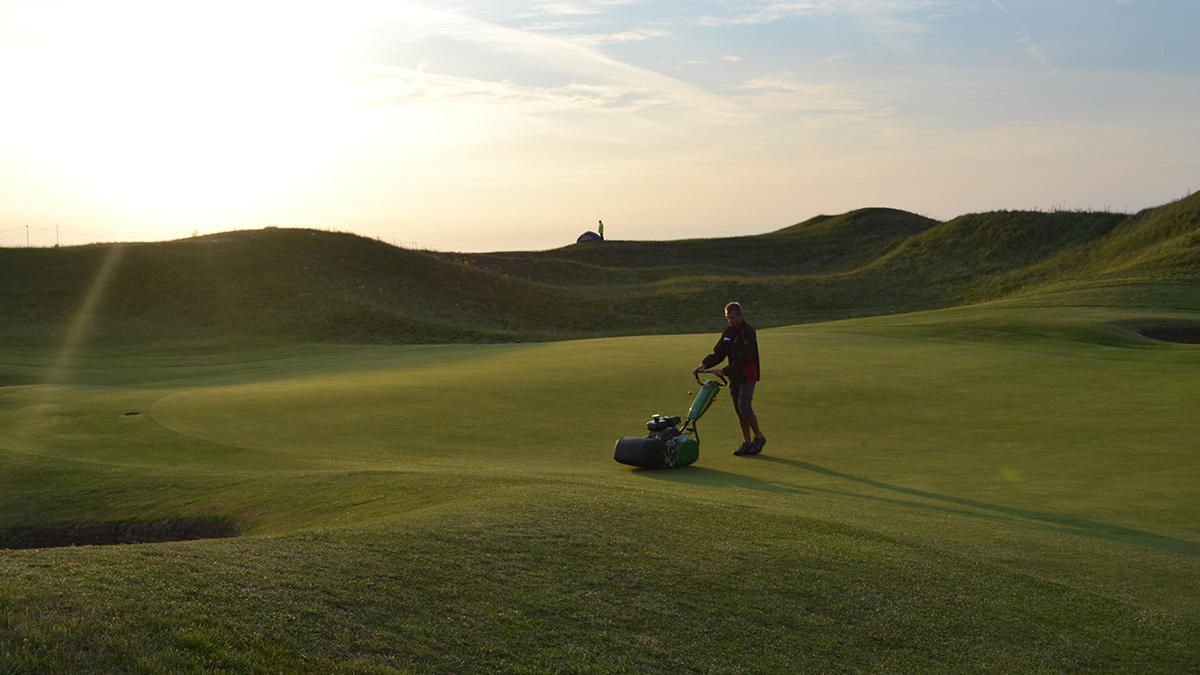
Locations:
{"points": [[740, 345]]}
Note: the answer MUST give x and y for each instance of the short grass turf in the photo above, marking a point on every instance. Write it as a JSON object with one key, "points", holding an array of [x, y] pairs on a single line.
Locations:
{"points": [[991, 488]]}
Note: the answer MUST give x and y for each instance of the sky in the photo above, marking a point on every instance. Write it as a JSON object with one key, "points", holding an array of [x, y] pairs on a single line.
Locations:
{"points": [[484, 126]]}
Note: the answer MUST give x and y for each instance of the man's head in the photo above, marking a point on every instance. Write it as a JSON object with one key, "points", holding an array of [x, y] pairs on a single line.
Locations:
{"points": [[733, 313]]}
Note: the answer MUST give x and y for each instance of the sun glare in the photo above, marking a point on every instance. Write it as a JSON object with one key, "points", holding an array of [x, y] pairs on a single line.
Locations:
{"points": [[172, 111]]}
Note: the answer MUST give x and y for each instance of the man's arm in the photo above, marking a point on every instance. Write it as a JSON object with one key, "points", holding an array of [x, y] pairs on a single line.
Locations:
{"points": [[720, 351]]}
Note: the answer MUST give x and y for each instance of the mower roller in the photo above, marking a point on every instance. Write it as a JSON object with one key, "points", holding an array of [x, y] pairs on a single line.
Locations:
{"points": [[668, 446]]}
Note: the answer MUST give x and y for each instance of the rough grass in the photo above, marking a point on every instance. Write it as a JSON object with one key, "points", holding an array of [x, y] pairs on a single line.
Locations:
{"points": [[993, 488]]}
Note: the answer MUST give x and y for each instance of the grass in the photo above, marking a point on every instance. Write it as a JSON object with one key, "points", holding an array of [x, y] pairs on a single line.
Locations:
{"points": [[414, 450], [999, 487]]}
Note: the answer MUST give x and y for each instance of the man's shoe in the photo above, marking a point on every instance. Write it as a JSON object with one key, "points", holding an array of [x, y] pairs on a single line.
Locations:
{"points": [[744, 450], [756, 445]]}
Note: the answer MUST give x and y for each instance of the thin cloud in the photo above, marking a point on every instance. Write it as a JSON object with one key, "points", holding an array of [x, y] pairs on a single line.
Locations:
{"points": [[575, 60], [1034, 51], [577, 8], [769, 12], [636, 35], [782, 94], [554, 26], [562, 9], [1026, 41], [398, 86]]}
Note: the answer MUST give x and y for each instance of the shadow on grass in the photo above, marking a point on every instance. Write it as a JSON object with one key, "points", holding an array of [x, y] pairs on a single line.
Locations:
{"points": [[699, 475], [115, 533], [977, 509]]}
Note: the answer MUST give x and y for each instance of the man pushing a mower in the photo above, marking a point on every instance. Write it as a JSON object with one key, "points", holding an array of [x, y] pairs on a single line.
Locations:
{"points": [[739, 344]]}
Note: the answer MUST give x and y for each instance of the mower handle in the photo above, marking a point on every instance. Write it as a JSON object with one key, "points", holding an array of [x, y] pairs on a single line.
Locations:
{"points": [[724, 382]]}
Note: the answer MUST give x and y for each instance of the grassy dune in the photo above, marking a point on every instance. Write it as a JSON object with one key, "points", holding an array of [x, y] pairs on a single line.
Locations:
{"points": [[285, 285], [997, 487]]}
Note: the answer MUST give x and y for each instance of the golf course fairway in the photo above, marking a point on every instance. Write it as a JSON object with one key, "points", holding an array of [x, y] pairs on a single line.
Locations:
{"points": [[996, 487]]}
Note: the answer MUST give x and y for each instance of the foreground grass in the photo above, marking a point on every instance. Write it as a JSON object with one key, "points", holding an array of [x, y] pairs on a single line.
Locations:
{"points": [[554, 583], [988, 488]]}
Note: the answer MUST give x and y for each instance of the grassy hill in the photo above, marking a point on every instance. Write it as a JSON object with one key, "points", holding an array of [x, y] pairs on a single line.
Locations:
{"points": [[306, 285]]}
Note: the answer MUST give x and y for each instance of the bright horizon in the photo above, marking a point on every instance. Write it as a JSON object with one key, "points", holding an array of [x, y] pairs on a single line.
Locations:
{"points": [[479, 126]]}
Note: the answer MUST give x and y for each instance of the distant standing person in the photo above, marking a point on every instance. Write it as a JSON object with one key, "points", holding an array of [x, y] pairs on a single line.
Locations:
{"points": [[601, 230], [739, 344]]}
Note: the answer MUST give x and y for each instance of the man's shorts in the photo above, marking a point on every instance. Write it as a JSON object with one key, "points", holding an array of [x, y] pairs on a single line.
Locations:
{"points": [[743, 396]]}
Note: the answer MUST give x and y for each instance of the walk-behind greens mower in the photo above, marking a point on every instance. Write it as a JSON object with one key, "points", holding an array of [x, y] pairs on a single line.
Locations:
{"points": [[667, 446]]}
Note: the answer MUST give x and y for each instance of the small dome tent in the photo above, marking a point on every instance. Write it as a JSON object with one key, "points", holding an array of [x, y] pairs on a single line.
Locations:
{"points": [[587, 236]]}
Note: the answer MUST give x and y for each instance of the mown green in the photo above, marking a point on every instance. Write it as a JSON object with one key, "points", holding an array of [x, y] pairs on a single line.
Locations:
{"points": [[983, 488]]}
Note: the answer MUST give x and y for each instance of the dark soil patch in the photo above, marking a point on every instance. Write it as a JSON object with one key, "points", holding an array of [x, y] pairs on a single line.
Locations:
{"points": [[123, 532], [1167, 330], [1189, 336]]}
